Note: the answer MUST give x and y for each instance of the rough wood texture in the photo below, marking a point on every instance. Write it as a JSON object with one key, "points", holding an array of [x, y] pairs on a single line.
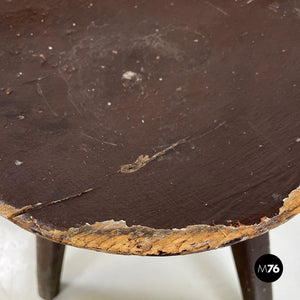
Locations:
{"points": [[245, 255], [117, 237], [150, 128]]}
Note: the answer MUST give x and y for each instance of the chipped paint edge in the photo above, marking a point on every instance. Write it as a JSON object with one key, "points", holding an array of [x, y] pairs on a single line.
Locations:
{"points": [[116, 237]]}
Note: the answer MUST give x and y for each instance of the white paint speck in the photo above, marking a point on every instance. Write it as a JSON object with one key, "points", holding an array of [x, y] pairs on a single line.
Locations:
{"points": [[50, 47], [129, 75], [109, 103], [160, 79], [143, 121], [298, 140], [74, 24], [18, 163]]}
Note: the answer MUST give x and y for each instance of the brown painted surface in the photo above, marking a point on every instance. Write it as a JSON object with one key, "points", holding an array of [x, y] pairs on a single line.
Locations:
{"points": [[162, 114], [117, 237]]}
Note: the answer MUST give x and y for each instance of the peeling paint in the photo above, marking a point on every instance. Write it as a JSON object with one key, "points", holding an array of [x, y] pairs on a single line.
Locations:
{"points": [[116, 237], [18, 163], [143, 160], [129, 75]]}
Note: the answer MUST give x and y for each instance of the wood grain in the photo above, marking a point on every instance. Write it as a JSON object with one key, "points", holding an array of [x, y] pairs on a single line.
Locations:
{"points": [[116, 237]]}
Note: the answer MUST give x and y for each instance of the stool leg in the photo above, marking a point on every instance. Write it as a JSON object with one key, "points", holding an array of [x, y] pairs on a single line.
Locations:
{"points": [[49, 262], [245, 255]]}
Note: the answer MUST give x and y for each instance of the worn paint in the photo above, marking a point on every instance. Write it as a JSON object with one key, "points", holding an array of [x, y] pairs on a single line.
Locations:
{"points": [[116, 237]]}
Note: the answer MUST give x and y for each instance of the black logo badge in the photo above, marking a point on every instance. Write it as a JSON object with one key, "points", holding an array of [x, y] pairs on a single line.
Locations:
{"points": [[268, 268]]}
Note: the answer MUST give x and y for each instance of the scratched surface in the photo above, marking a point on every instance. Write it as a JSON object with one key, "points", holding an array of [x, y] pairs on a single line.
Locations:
{"points": [[87, 88]]}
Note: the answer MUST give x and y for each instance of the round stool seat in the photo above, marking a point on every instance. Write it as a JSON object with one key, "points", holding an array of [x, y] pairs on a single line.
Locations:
{"points": [[149, 128]]}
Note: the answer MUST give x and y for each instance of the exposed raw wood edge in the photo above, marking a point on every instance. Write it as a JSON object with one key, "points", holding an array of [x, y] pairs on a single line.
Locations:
{"points": [[22, 210], [116, 237]]}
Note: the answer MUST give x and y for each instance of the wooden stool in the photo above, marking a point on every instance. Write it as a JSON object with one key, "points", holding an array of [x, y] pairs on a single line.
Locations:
{"points": [[149, 127]]}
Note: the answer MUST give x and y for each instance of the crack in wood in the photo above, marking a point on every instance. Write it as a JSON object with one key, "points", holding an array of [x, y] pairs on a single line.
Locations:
{"points": [[143, 160], [140, 162], [116, 237], [24, 209], [69, 197]]}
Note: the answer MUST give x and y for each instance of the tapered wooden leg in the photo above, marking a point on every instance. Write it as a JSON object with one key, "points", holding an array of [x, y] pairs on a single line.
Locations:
{"points": [[49, 263], [245, 255]]}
